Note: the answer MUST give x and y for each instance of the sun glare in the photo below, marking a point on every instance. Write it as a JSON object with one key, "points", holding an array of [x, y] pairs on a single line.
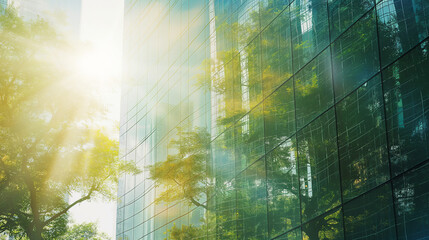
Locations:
{"points": [[97, 66]]}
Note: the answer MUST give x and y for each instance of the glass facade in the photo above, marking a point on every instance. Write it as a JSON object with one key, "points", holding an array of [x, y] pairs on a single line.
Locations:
{"points": [[3, 5], [291, 119]]}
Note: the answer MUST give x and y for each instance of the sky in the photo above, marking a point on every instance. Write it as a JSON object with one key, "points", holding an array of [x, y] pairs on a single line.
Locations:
{"points": [[101, 27]]}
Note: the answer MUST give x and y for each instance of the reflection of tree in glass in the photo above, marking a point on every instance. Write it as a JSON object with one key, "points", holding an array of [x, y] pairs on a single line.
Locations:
{"points": [[402, 24], [247, 67], [184, 175], [327, 227], [282, 188], [184, 233], [362, 140]]}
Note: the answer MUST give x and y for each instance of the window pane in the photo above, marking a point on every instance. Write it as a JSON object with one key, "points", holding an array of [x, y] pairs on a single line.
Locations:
{"points": [[355, 56], [249, 19], [328, 226], [251, 84], [343, 13], [224, 203], [252, 202], [249, 138], [292, 235], [129, 211], [138, 219], [119, 227], [276, 53], [223, 156], [402, 25], [226, 212], [407, 107], [128, 235], [310, 30], [128, 224], [362, 140], [210, 219], [371, 216], [270, 9], [279, 115], [160, 233], [235, 106], [282, 187], [318, 166], [313, 89], [411, 202]]}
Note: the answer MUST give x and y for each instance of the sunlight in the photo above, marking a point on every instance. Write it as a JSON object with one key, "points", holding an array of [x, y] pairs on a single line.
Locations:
{"points": [[97, 70], [61, 95], [97, 65]]}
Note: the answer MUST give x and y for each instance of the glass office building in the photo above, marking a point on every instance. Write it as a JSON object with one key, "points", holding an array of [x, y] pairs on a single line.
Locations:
{"points": [[293, 119], [3, 5]]}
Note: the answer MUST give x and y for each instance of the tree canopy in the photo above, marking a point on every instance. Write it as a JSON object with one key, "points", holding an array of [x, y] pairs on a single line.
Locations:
{"points": [[83, 231], [49, 147], [184, 175]]}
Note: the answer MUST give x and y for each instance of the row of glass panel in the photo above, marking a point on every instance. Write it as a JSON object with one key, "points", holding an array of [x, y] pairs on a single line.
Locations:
{"points": [[361, 140], [308, 96], [354, 62]]}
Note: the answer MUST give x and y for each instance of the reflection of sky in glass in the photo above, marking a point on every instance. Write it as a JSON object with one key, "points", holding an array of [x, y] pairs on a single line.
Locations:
{"points": [[387, 14], [306, 16]]}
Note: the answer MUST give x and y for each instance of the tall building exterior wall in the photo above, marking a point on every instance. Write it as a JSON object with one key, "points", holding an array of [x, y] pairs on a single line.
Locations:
{"points": [[315, 114], [3, 5]]}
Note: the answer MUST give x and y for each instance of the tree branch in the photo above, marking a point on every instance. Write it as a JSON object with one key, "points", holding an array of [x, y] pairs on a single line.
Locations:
{"points": [[174, 179], [57, 215], [198, 204], [195, 202]]}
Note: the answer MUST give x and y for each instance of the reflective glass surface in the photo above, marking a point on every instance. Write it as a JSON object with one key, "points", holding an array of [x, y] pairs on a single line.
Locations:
{"points": [[252, 85], [279, 115], [355, 56], [276, 52], [271, 9], [292, 235], [310, 30], [412, 210], [343, 13], [318, 166], [371, 216], [407, 105], [402, 25], [283, 188], [252, 202], [288, 119], [313, 89], [249, 138], [328, 226], [362, 140], [225, 212]]}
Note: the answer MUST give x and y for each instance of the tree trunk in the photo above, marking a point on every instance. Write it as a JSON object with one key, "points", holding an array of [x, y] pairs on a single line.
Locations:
{"points": [[36, 225], [313, 234], [36, 234], [318, 223]]}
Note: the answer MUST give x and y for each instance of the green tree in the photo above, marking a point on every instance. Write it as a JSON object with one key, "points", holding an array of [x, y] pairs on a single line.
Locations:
{"points": [[183, 175], [184, 233], [83, 231], [48, 145]]}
